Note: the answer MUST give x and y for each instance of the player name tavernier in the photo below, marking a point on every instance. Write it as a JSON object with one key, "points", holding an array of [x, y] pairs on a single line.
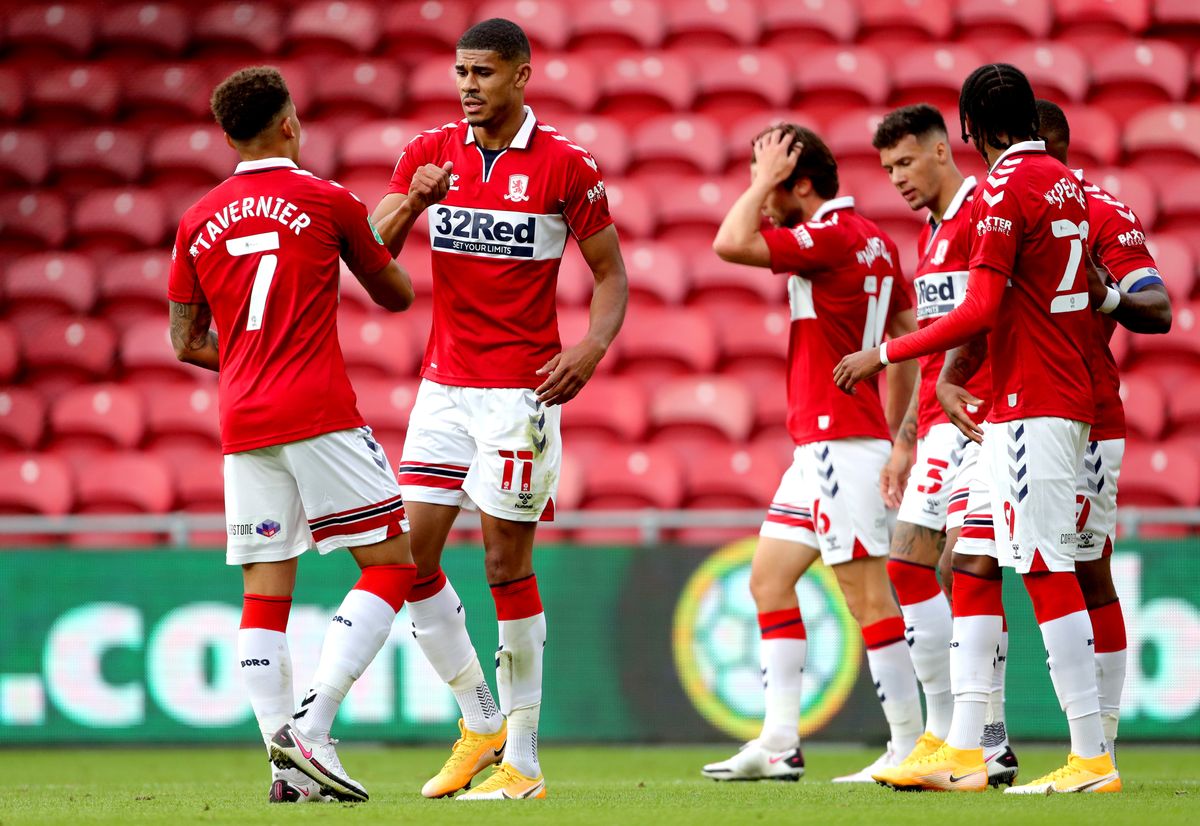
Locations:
{"points": [[267, 206]]}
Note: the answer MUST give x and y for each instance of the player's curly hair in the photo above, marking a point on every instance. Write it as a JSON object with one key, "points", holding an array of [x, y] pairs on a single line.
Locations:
{"points": [[248, 101], [998, 100], [816, 162], [917, 120], [498, 35], [1052, 121]]}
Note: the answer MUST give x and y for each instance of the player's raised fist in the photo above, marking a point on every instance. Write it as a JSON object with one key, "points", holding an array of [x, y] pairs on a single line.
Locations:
{"points": [[430, 183]]}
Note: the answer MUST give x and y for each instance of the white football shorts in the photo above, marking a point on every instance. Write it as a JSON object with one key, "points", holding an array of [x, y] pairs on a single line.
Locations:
{"points": [[970, 507], [829, 499], [1096, 499], [497, 449], [934, 477], [335, 490]]}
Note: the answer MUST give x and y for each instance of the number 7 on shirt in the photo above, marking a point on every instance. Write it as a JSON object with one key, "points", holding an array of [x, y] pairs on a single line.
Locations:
{"points": [[250, 245]]}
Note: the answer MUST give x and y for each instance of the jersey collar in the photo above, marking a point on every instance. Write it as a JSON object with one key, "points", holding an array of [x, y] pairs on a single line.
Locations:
{"points": [[968, 186], [263, 164], [1078, 173], [521, 140], [832, 205], [1016, 148]]}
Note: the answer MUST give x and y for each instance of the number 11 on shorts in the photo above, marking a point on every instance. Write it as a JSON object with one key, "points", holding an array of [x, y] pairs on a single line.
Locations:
{"points": [[511, 457]]}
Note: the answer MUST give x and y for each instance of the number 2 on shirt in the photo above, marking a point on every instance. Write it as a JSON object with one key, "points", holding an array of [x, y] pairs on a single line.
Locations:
{"points": [[251, 245]]}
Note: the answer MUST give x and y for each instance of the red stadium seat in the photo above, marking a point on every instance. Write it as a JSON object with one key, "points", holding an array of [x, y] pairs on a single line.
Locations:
{"points": [[1164, 138], [1130, 187], [1095, 138], [731, 476], [570, 486], [608, 410], [1133, 75], [66, 29], [1145, 406], [73, 349], [33, 219], [698, 203], [719, 284], [81, 93], [190, 156], [1177, 263], [121, 217], [100, 156], [616, 24], [375, 146], [10, 353], [1013, 19], [376, 346], [160, 28], [816, 22], [12, 94], [656, 273], [633, 477], [385, 405], [1180, 201], [240, 28], [633, 210], [665, 342], [22, 418], [333, 26], [680, 144], [689, 413], [753, 336], [172, 91], [122, 483], [876, 197], [34, 483], [1176, 16], [732, 83], [546, 23], [98, 416], [147, 354], [637, 86], [198, 485], [52, 283], [1156, 475], [1184, 412], [24, 157], [1181, 345], [932, 74], [562, 83], [604, 138], [849, 137], [831, 79], [134, 286], [320, 144], [416, 31], [886, 23], [1094, 25], [707, 24], [182, 415], [359, 88], [1058, 71]]}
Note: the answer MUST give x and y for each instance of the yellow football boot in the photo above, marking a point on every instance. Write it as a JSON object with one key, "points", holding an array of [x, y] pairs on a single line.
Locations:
{"points": [[946, 769], [1080, 775], [506, 783], [471, 754], [926, 745]]}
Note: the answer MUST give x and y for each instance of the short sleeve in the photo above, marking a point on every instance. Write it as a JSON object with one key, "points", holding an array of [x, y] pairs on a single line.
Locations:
{"points": [[183, 285], [362, 249], [999, 223], [586, 203], [1119, 242], [806, 248], [411, 159]]}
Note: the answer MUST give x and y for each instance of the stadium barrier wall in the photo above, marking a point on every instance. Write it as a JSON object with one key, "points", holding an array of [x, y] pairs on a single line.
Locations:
{"points": [[645, 644]]}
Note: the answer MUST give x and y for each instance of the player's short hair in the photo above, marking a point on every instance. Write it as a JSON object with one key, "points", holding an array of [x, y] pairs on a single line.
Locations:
{"points": [[498, 35], [248, 101], [1052, 122], [998, 99], [816, 162], [917, 120]]}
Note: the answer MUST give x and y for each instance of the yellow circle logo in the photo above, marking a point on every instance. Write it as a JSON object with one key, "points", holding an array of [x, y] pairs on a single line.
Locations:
{"points": [[716, 640]]}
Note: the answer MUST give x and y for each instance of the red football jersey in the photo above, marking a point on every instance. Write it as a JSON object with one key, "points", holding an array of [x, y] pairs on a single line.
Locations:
{"points": [[1118, 243], [497, 241], [844, 284], [944, 252], [1028, 219], [262, 249]]}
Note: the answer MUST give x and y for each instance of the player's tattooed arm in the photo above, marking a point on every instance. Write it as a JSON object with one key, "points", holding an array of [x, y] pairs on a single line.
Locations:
{"points": [[570, 370], [961, 364], [740, 239], [192, 337]]}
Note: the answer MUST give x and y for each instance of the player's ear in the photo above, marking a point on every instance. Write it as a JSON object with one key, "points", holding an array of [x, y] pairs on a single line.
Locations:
{"points": [[524, 72], [232, 143]]}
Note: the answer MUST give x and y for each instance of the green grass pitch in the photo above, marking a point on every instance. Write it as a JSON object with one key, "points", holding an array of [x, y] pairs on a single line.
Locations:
{"points": [[603, 785]]}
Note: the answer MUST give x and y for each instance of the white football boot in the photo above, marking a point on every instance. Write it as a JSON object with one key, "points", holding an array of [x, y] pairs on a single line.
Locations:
{"points": [[317, 760], [291, 785], [889, 759], [756, 762]]}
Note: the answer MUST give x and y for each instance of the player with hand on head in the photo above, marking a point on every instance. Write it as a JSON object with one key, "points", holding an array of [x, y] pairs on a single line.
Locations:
{"points": [[845, 289], [503, 192], [1028, 288], [258, 257], [914, 150], [1136, 298]]}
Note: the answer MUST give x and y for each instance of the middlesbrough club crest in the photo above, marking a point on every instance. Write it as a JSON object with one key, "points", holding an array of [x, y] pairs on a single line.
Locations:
{"points": [[518, 185]]}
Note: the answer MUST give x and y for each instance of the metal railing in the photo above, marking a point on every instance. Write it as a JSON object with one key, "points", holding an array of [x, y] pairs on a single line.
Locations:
{"points": [[651, 524]]}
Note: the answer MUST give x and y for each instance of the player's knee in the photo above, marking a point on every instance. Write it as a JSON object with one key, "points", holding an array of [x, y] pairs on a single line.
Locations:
{"points": [[980, 566], [770, 593], [916, 543], [1095, 580]]}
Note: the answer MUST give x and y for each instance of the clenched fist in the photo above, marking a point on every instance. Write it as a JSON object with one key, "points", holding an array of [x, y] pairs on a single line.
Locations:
{"points": [[430, 183]]}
